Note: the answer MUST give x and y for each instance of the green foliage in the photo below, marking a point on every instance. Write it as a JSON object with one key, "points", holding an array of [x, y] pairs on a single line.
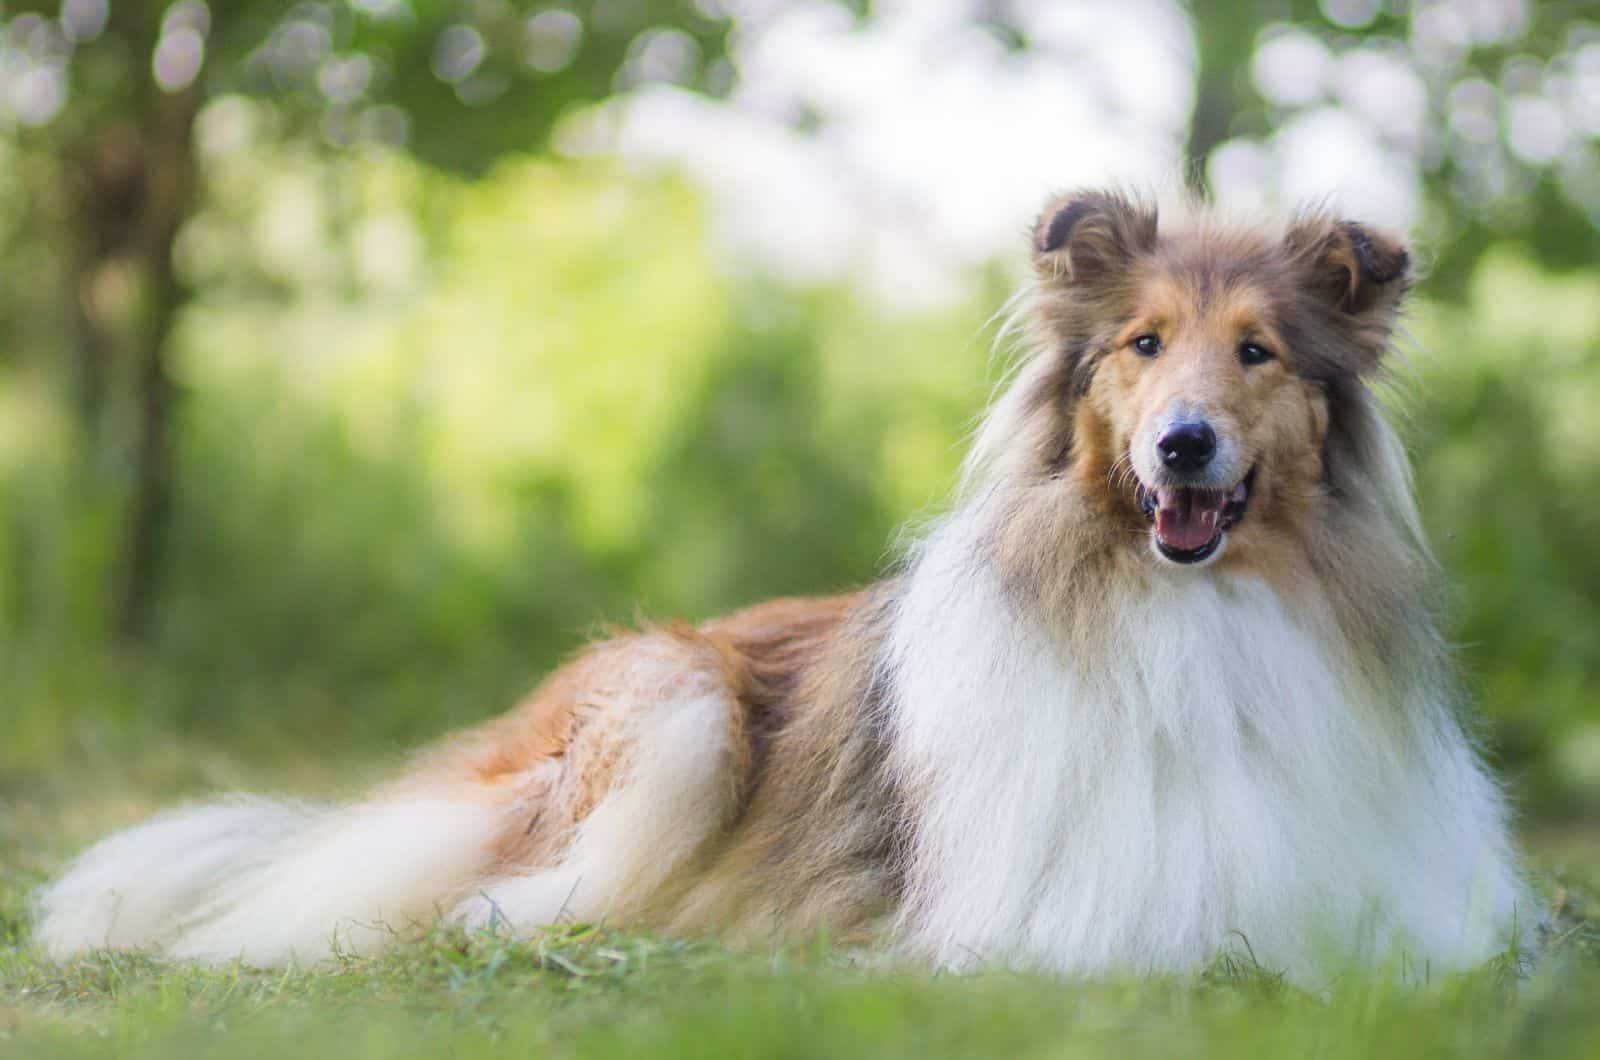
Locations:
{"points": [[404, 494], [1509, 471], [419, 464], [427, 434], [458, 83], [1481, 184]]}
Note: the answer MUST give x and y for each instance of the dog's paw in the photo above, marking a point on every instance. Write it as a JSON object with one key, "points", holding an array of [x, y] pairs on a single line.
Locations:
{"points": [[519, 905], [480, 912]]}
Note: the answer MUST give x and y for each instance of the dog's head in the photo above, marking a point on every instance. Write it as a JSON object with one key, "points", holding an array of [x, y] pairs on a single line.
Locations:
{"points": [[1192, 378]]}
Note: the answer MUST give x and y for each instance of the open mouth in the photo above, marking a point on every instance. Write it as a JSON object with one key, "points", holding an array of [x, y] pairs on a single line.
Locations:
{"points": [[1190, 521]]}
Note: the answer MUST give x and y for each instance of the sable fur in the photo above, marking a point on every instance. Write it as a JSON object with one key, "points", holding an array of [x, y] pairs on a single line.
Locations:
{"points": [[1034, 744]]}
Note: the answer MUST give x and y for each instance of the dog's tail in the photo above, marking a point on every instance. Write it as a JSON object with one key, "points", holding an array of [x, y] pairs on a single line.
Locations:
{"points": [[269, 882]]}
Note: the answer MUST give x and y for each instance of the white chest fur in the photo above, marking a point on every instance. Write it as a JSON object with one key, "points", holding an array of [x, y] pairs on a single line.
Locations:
{"points": [[1219, 775]]}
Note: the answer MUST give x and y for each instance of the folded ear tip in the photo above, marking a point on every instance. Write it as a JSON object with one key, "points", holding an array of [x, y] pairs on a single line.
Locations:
{"points": [[1097, 225], [1056, 223], [1383, 258]]}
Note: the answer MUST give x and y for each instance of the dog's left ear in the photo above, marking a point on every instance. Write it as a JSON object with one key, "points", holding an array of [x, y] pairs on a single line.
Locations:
{"points": [[1360, 268], [1088, 236]]}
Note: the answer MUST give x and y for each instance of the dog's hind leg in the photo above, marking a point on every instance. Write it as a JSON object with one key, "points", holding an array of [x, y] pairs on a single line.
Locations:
{"points": [[654, 770], [581, 802]]}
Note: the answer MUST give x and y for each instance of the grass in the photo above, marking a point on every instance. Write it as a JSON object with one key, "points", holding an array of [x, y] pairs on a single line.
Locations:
{"points": [[591, 991]]}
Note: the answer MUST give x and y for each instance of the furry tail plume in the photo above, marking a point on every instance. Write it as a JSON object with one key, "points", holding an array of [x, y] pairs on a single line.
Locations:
{"points": [[269, 882]]}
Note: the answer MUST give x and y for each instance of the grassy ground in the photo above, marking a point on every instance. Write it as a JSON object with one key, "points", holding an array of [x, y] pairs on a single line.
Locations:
{"points": [[594, 992]]}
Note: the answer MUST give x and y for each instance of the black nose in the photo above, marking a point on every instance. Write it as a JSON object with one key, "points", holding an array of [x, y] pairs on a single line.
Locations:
{"points": [[1187, 446]]}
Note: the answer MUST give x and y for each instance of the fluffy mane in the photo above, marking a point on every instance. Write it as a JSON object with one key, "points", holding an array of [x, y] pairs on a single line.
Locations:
{"points": [[1159, 757]]}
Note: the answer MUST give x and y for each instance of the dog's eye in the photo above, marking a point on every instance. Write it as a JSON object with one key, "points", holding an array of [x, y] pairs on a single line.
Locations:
{"points": [[1252, 353], [1147, 345]]}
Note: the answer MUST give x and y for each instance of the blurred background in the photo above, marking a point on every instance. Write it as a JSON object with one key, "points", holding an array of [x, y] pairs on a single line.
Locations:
{"points": [[360, 357]]}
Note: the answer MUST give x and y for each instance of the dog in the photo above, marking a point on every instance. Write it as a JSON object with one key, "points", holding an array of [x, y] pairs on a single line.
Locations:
{"points": [[1164, 679]]}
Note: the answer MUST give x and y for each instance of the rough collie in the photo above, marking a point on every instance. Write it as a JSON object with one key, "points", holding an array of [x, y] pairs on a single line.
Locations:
{"points": [[1163, 681]]}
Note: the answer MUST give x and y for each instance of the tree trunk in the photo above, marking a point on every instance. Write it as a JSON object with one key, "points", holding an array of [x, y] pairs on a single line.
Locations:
{"points": [[1213, 115], [131, 185], [105, 178], [168, 196], [1222, 45]]}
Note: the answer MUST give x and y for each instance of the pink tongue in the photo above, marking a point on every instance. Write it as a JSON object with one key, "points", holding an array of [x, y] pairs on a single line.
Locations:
{"points": [[1188, 519]]}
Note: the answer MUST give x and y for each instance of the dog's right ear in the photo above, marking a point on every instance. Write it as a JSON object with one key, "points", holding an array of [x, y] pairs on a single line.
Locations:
{"points": [[1357, 267], [1086, 235]]}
